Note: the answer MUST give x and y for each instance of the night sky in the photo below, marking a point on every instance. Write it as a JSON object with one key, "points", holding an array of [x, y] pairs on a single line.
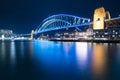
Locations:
{"points": [[24, 15]]}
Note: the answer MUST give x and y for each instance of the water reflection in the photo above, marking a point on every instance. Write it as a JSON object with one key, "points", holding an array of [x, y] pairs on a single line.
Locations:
{"points": [[117, 59], [67, 47], [99, 61], [118, 54], [12, 53], [59, 60], [22, 48], [31, 49], [3, 51], [81, 54]]}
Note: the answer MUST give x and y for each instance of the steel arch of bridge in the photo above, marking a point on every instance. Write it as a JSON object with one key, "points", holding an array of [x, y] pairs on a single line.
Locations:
{"points": [[61, 21]]}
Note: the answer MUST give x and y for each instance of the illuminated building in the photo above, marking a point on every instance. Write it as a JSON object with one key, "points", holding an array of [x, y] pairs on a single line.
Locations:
{"points": [[104, 28], [6, 32]]}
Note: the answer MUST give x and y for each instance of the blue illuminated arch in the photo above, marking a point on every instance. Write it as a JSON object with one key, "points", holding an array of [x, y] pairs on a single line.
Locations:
{"points": [[61, 21]]}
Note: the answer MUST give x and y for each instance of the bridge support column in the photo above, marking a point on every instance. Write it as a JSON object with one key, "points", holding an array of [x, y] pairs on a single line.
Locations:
{"points": [[99, 17], [32, 36]]}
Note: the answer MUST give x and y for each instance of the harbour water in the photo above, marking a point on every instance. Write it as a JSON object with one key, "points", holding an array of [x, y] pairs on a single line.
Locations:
{"points": [[48, 60]]}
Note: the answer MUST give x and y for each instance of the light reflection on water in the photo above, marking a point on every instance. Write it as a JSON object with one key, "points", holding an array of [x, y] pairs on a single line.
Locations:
{"points": [[3, 51], [31, 50], [82, 54], [12, 53], [99, 61], [22, 48], [48, 60]]}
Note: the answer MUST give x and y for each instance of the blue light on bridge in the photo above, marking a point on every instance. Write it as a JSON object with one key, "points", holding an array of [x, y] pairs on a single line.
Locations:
{"points": [[61, 21]]}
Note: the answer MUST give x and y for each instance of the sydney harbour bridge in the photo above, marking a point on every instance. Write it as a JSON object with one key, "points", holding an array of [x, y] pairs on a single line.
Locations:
{"points": [[61, 21], [65, 26], [62, 24]]}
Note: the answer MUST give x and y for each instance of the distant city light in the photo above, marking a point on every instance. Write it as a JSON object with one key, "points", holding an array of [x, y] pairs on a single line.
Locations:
{"points": [[3, 36]]}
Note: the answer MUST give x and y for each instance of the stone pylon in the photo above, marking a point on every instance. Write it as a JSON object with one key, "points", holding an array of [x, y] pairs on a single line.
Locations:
{"points": [[32, 35], [99, 17]]}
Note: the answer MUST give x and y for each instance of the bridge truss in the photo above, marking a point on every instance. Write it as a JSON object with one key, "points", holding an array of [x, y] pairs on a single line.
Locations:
{"points": [[61, 21]]}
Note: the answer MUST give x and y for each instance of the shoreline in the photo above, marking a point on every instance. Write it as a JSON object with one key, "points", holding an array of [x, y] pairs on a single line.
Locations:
{"points": [[56, 40], [93, 41]]}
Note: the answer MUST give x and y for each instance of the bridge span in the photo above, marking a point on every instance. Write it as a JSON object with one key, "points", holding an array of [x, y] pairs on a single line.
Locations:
{"points": [[63, 21], [70, 26]]}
